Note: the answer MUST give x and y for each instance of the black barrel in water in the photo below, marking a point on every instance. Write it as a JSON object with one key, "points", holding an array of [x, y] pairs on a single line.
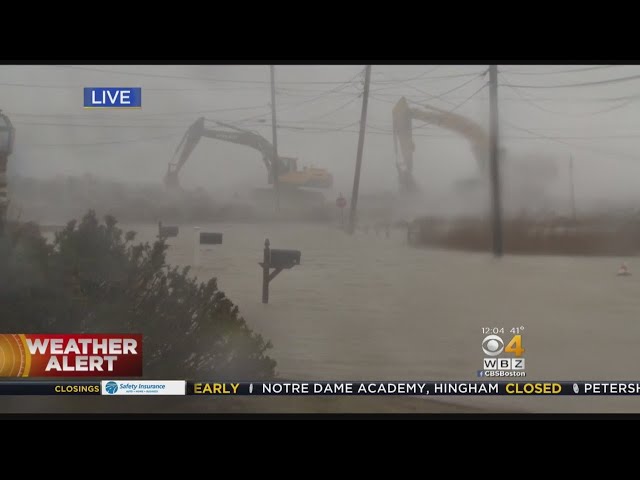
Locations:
{"points": [[210, 238], [168, 231]]}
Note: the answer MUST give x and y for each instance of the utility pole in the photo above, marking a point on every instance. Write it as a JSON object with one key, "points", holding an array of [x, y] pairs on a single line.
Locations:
{"points": [[363, 124], [266, 265], [4, 198], [274, 126], [7, 133], [573, 194], [495, 161]]}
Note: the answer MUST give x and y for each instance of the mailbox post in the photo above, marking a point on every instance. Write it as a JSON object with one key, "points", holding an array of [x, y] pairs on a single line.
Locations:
{"points": [[341, 202], [265, 272], [277, 260], [168, 231], [196, 247], [204, 238]]}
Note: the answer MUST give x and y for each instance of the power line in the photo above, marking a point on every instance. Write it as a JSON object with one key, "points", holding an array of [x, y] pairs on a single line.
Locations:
{"points": [[135, 116], [377, 97], [286, 90], [583, 147], [482, 87], [92, 144], [378, 130], [337, 109], [387, 130], [342, 86], [438, 77], [53, 87], [146, 89], [388, 83], [179, 77], [417, 77], [81, 125], [236, 81], [469, 98], [319, 126], [341, 107], [544, 109], [462, 85], [585, 69], [438, 96], [583, 84], [540, 99], [590, 137]]}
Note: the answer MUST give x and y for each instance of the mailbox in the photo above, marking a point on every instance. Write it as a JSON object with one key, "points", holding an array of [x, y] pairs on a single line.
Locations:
{"points": [[210, 238], [169, 231], [284, 258]]}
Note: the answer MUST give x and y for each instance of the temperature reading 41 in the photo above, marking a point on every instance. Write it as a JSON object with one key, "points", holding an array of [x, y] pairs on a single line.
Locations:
{"points": [[517, 330]]}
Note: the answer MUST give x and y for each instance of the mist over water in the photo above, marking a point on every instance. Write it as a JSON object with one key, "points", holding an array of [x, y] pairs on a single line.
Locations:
{"points": [[371, 307], [366, 306]]}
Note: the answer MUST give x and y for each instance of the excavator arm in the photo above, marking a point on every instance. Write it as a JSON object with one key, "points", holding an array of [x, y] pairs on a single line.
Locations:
{"points": [[403, 115], [234, 135]]}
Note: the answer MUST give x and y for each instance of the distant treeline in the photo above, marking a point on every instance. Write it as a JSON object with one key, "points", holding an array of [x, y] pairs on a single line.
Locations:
{"points": [[55, 200]]}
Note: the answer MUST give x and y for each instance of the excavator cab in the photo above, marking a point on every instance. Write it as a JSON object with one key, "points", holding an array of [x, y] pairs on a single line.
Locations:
{"points": [[291, 163], [286, 165], [310, 177], [317, 178]]}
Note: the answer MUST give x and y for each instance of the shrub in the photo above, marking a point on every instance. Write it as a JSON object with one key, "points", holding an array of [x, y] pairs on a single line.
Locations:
{"points": [[94, 279]]}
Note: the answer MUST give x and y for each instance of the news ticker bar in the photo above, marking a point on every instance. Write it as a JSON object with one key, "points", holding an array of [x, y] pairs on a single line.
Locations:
{"points": [[181, 387]]}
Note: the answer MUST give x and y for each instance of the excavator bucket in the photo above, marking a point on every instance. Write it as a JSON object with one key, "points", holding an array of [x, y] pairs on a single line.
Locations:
{"points": [[171, 179], [402, 131]]}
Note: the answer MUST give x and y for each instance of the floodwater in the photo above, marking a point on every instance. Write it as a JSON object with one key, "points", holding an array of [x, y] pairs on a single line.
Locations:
{"points": [[368, 307]]}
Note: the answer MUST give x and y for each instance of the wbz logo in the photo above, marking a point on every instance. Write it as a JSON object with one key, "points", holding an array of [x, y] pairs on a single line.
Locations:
{"points": [[503, 364]]}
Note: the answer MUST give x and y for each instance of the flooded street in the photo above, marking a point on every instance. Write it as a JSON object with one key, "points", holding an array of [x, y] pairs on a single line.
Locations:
{"points": [[367, 307], [285, 153]]}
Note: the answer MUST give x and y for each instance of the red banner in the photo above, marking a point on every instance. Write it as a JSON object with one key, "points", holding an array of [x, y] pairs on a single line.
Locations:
{"points": [[70, 355]]}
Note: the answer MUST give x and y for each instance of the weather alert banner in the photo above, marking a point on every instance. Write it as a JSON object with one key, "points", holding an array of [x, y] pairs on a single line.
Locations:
{"points": [[70, 355]]}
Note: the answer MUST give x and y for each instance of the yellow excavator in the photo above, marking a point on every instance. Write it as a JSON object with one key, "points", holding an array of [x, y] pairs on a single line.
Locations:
{"points": [[287, 167], [403, 115]]}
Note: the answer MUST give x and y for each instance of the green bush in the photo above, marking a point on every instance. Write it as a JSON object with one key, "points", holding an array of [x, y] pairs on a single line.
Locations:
{"points": [[94, 279]]}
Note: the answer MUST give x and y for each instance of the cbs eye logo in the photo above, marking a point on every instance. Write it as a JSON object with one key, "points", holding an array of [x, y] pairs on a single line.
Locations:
{"points": [[492, 345]]}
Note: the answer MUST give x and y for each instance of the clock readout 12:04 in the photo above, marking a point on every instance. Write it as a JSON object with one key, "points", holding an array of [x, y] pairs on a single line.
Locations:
{"points": [[492, 330]]}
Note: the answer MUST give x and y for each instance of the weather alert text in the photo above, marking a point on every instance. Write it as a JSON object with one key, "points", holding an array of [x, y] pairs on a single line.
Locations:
{"points": [[68, 355]]}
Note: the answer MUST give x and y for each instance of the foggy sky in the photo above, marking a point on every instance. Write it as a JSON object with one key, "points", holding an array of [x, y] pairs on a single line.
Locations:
{"points": [[45, 102]]}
